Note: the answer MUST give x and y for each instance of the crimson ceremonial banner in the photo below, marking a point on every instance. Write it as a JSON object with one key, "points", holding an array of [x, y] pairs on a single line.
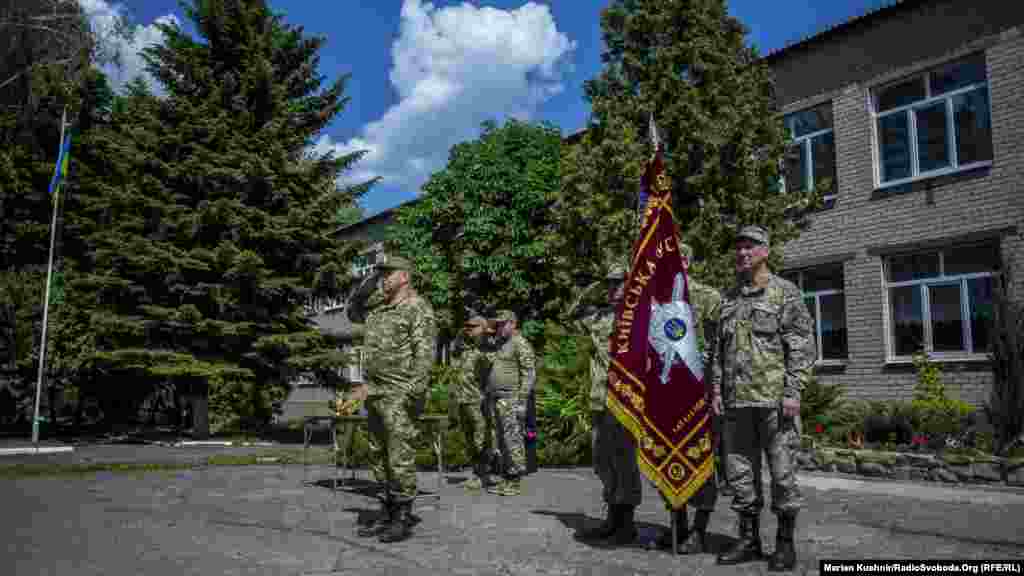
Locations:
{"points": [[656, 377]]}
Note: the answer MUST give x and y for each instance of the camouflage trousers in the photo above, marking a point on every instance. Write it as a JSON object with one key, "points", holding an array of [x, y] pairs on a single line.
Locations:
{"points": [[752, 432], [391, 424], [706, 496], [509, 417], [614, 458], [479, 435]]}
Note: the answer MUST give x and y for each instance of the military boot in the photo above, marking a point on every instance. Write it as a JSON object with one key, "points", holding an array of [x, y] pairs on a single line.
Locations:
{"points": [[696, 542], [607, 528], [625, 529], [400, 527], [748, 547], [665, 540], [784, 556], [380, 522]]}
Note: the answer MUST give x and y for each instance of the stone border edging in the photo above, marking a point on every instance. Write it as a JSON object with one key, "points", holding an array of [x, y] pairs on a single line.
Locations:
{"points": [[20, 451], [951, 469]]}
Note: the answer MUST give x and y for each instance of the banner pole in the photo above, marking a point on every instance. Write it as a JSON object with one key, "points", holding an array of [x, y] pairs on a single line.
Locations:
{"points": [[46, 297]]}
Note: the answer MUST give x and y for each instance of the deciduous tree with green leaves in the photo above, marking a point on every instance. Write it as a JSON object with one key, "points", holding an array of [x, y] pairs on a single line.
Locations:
{"points": [[201, 221], [478, 233], [685, 62]]}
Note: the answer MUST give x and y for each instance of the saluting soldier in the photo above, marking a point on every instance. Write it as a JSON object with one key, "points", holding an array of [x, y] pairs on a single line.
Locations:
{"points": [[399, 340], [765, 356]]}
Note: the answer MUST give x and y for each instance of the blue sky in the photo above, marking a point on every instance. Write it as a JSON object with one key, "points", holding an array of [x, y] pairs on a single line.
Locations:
{"points": [[425, 75]]}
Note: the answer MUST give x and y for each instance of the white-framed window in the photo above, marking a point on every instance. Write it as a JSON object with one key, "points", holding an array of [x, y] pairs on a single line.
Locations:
{"points": [[365, 264], [934, 123], [822, 288], [940, 301], [812, 156]]}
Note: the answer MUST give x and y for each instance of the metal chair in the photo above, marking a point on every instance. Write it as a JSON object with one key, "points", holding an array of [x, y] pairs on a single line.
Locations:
{"points": [[310, 425]]}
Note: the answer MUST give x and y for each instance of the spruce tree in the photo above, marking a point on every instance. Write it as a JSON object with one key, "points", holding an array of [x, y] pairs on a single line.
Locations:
{"points": [[202, 221], [685, 62]]}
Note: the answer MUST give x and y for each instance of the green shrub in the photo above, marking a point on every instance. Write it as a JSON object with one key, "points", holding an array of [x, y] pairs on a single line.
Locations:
{"points": [[563, 398], [933, 413], [846, 418], [818, 404]]}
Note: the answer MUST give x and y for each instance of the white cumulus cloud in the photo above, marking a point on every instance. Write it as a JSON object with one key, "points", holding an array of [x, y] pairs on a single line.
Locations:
{"points": [[102, 15], [452, 69]]}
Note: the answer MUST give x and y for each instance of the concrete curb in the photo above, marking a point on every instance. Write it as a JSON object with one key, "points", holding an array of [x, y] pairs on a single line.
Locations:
{"points": [[35, 450], [219, 443]]}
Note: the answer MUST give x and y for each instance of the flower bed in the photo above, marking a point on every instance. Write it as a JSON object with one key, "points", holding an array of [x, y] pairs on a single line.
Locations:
{"points": [[947, 468]]}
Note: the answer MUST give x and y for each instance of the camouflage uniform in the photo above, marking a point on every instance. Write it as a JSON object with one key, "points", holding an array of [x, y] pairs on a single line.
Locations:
{"points": [[612, 447], [706, 302], [509, 383], [766, 352], [469, 404], [399, 351]]}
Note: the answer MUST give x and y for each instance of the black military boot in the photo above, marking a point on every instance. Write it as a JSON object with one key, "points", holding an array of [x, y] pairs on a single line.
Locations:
{"points": [[625, 530], [748, 547], [696, 542], [401, 524], [784, 556], [380, 522], [665, 540], [607, 528]]}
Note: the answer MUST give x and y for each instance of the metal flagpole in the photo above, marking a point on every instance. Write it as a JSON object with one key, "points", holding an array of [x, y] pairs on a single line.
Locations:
{"points": [[46, 298]]}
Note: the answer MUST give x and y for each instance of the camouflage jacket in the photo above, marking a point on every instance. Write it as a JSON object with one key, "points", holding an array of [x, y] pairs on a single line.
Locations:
{"points": [[513, 369], [598, 325], [399, 346], [766, 348], [472, 365], [707, 306]]}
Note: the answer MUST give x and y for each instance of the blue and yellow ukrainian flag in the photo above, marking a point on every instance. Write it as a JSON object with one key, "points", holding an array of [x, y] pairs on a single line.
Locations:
{"points": [[61, 168]]}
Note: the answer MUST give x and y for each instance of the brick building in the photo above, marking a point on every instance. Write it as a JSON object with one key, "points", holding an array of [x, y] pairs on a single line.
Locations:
{"points": [[915, 112]]}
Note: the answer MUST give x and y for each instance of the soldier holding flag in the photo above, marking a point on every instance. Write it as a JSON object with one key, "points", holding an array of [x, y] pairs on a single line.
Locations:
{"points": [[706, 303]]}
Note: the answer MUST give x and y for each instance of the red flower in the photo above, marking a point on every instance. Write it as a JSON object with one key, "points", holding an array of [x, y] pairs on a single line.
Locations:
{"points": [[820, 429]]}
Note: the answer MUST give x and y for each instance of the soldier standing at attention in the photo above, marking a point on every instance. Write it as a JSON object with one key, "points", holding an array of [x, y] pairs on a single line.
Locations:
{"points": [[472, 363], [614, 453], [400, 338], [765, 356], [510, 381], [706, 302]]}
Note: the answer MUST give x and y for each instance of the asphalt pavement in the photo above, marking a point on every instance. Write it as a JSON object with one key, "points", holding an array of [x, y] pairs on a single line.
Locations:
{"points": [[286, 520]]}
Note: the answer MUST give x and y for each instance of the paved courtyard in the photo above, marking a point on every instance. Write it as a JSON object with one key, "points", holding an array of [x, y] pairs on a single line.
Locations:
{"points": [[270, 520]]}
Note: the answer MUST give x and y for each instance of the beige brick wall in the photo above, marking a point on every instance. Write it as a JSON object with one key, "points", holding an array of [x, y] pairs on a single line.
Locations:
{"points": [[867, 227]]}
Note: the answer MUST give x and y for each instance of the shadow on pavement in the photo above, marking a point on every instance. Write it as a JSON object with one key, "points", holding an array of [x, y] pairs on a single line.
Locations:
{"points": [[359, 486], [648, 532]]}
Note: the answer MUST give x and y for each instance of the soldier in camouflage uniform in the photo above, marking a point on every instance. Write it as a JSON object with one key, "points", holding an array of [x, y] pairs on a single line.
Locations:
{"points": [[510, 381], [706, 302], [613, 451], [472, 363], [399, 339], [765, 356]]}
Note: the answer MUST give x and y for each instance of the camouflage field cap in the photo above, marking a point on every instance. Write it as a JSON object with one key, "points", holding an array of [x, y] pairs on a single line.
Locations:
{"points": [[616, 271], [395, 263], [505, 316], [755, 233], [476, 321], [686, 251]]}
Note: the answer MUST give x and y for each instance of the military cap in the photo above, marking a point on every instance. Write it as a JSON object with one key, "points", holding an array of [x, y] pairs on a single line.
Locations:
{"points": [[755, 233], [395, 263], [505, 316], [686, 251], [616, 271], [476, 321]]}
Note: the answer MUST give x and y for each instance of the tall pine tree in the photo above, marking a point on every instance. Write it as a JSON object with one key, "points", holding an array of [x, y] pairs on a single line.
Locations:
{"points": [[202, 221], [686, 62]]}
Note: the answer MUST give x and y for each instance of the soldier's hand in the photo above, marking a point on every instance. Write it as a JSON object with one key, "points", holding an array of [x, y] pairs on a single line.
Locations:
{"points": [[790, 407], [716, 404]]}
